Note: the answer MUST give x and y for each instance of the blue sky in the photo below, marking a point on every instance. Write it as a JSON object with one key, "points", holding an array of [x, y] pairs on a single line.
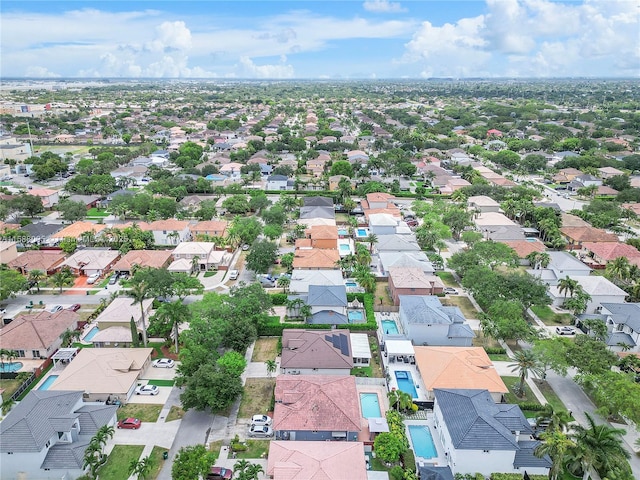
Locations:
{"points": [[328, 39]]}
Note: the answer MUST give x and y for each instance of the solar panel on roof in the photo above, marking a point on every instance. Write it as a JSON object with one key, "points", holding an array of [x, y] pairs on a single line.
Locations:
{"points": [[344, 344]]}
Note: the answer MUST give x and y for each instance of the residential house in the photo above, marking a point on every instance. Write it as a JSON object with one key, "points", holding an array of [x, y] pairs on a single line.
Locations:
{"points": [[459, 367], [104, 372], [316, 166], [316, 352], [316, 460], [323, 236], [50, 198], [496, 226], [584, 180], [397, 243], [209, 228], [576, 236], [39, 233], [481, 436], [412, 281], [357, 156], [120, 312], [383, 224], [301, 279], [380, 200], [608, 172], [413, 259], [599, 288], [169, 232], [561, 265], [134, 173], [425, 321], [47, 261], [316, 408], [90, 261], [37, 335], [142, 259], [453, 184], [8, 251], [525, 247], [316, 259], [90, 201], [279, 183], [623, 325], [79, 231], [597, 255], [231, 170], [483, 204], [49, 432], [334, 181], [565, 175], [328, 304], [198, 256]]}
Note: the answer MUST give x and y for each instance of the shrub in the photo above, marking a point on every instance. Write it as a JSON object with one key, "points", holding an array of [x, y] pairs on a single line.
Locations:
{"points": [[279, 299], [515, 476], [532, 407], [396, 473], [495, 350], [409, 461]]}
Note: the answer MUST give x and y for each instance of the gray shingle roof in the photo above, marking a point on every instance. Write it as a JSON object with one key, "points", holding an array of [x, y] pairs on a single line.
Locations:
{"points": [[525, 458], [318, 202], [625, 313], [64, 456], [476, 422], [460, 331], [327, 295], [317, 212], [435, 473], [328, 317], [93, 417], [427, 309]]}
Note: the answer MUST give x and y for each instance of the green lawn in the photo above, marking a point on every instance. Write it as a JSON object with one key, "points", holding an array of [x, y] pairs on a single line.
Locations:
{"points": [[117, 465], [144, 411], [362, 372], [9, 387], [468, 310], [256, 397], [156, 462], [255, 449], [175, 413], [499, 357], [95, 212], [550, 318], [550, 395], [447, 279], [511, 397], [162, 383]]}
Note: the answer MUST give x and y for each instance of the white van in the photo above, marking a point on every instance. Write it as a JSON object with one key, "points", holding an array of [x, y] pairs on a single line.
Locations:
{"points": [[233, 274]]}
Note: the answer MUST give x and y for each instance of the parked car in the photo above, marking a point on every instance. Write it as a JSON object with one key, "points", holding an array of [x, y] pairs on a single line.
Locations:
{"points": [[147, 390], [164, 363], [260, 431], [450, 291], [565, 330], [75, 307], [131, 423], [93, 278], [233, 274], [220, 473], [261, 420], [55, 308], [245, 247], [114, 279]]}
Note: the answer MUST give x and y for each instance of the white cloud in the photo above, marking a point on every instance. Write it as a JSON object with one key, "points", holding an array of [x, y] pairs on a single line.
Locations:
{"points": [[40, 72], [251, 70], [383, 6]]}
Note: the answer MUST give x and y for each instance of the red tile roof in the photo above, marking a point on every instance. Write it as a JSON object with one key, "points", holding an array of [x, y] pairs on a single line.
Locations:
{"points": [[611, 250]]}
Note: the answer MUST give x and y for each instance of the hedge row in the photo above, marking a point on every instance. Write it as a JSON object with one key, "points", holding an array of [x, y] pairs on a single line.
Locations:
{"points": [[495, 350], [515, 476], [532, 407]]}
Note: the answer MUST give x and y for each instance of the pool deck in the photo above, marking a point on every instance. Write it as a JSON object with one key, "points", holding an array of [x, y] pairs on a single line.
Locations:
{"points": [[441, 459], [364, 435]]}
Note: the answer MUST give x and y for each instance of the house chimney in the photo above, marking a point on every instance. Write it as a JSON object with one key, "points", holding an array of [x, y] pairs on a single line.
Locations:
{"points": [[517, 435]]}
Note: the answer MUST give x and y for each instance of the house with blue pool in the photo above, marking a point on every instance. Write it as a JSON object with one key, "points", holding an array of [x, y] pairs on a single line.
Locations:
{"points": [[425, 321], [479, 435], [328, 304]]}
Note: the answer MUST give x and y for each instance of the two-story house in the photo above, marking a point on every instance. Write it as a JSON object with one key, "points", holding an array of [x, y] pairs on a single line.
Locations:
{"points": [[316, 352], [623, 325]]}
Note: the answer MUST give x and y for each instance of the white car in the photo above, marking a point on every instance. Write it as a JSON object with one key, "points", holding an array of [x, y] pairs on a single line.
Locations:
{"points": [[91, 279], [164, 363], [233, 274], [450, 291], [55, 308], [565, 330], [261, 420], [147, 390]]}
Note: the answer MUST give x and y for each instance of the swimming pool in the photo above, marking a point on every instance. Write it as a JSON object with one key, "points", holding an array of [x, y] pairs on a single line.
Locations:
{"points": [[362, 232], [390, 327], [345, 248], [370, 405], [350, 284], [343, 232], [422, 441], [10, 366], [355, 315], [405, 383], [48, 382], [92, 333]]}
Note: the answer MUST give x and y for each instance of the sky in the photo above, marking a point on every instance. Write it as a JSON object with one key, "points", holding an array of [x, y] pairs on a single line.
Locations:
{"points": [[330, 39]]}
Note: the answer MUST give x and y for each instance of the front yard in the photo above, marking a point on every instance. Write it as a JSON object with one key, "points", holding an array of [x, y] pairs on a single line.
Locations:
{"points": [[551, 318], [265, 348], [463, 303], [257, 396], [447, 279], [117, 465], [145, 412], [255, 449]]}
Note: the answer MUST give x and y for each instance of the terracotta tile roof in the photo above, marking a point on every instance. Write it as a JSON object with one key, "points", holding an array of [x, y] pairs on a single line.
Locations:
{"points": [[611, 250], [303, 243], [316, 349], [525, 247], [169, 224], [291, 460], [588, 234], [143, 258], [209, 227], [316, 258], [412, 278], [379, 197], [323, 232], [75, 230], [458, 367], [634, 207], [37, 260], [569, 220], [316, 402], [91, 259], [37, 331]]}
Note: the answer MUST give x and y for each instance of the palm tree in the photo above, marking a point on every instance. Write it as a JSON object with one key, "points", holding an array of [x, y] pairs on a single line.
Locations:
{"points": [[597, 446], [195, 264], [294, 306], [173, 314], [567, 285], [284, 282], [62, 278], [555, 419], [400, 400], [372, 239], [618, 269], [240, 466], [69, 336], [271, 367], [253, 472], [363, 256], [525, 363], [36, 276], [557, 445], [103, 434], [140, 292], [174, 237], [92, 459], [141, 468]]}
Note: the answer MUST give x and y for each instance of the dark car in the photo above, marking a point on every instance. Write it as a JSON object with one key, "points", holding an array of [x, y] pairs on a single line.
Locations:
{"points": [[130, 423], [75, 307], [114, 279], [220, 473]]}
